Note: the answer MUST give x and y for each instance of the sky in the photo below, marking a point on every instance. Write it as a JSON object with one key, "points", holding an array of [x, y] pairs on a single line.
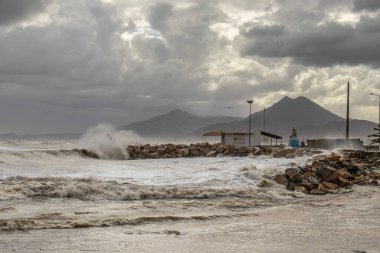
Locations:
{"points": [[69, 65]]}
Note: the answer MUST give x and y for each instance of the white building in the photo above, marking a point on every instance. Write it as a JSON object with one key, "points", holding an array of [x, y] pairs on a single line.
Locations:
{"points": [[240, 139]]}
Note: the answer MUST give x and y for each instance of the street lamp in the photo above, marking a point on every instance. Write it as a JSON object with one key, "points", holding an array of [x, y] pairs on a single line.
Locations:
{"points": [[249, 129]]}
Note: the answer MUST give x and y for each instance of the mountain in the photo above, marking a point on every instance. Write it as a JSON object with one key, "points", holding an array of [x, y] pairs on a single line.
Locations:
{"points": [[310, 120], [174, 124]]}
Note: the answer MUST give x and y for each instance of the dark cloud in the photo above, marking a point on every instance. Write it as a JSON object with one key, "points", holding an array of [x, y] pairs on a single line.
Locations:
{"points": [[90, 62], [187, 31], [367, 5], [323, 45], [16, 10]]}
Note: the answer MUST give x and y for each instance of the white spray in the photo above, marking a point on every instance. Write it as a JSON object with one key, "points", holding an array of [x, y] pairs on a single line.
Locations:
{"points": [[108, 143]]}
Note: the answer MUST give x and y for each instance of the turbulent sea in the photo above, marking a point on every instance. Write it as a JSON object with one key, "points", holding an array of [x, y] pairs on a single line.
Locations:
{"points": [[54, 198]]}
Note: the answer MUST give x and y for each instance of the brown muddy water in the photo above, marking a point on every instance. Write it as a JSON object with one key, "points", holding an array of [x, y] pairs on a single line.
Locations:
{"points": [[60, 202]]}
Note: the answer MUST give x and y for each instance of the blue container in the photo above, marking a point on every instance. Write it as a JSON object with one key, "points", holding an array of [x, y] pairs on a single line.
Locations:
{"points": [[294, 142]]}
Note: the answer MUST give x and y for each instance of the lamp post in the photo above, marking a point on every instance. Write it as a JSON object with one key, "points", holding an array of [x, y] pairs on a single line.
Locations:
{"points": [[249, 129]]}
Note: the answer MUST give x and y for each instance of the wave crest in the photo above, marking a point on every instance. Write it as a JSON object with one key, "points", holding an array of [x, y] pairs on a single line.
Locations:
{"points": [[92, 189]]}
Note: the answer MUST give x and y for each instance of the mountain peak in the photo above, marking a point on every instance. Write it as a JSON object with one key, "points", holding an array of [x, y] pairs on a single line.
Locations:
{"points": [[177, 111]]}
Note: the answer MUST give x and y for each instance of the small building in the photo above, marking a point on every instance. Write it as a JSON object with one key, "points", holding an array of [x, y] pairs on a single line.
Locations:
{"points": [[240, 139]]}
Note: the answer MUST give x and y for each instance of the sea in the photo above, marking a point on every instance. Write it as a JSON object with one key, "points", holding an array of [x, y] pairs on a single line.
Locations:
{"points": [[54, 198]]}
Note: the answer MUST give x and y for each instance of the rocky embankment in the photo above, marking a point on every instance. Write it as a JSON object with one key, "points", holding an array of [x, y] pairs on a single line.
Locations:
{"points": [[206, 149], [193, 150], [327, 174], [209, 150]]}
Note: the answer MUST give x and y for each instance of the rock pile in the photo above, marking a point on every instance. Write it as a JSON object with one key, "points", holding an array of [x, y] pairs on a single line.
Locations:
{"points": [[326, 174], [193, 150]]}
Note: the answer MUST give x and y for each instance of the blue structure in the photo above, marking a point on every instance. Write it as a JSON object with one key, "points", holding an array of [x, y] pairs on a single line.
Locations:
{"points": [[293, 140]]}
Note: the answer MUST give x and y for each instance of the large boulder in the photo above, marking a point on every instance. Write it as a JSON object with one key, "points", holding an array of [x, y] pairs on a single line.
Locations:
{"points": [[211, 154], [344, 174], [328, 186], [283, 153], [328, 174], [171, 147], [281, 179]]}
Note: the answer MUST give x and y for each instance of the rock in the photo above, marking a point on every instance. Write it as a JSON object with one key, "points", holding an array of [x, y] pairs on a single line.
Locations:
{"points": [[282, 153], [344, 174], [243, 150], [153, 155], [316, 165], [372, 175], [342, 182], [297, 179], [290, 173], [226, 152], [205, 151], [334, 158], [281, 179], [307, 184], [290, 187], [360, 166], [290, 155], [194, 152], [350, 167], [317, 192], [309, 174], [328, 186], [211, 154], [300, 188], [328, 174], [313, 181]]}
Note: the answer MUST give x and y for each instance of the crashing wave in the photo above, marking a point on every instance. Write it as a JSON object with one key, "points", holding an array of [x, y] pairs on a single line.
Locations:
{"points": [[92, 189]]}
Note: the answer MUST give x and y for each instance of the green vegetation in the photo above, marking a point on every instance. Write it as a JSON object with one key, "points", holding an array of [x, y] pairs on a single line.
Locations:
{"points": [[375, 136]]}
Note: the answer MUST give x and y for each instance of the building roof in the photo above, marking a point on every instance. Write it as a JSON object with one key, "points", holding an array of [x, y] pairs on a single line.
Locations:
{"points": [[221, 133], [271, 135]]}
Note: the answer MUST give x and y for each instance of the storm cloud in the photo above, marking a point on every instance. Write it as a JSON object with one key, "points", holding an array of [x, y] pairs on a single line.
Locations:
{"points": [[68, 65], [16, 10], [325, 45], [368, 5]]}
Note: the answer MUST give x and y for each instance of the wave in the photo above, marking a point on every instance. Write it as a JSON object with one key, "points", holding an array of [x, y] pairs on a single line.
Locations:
{"points": [[12, 156], [93, 189], [59, 221]]}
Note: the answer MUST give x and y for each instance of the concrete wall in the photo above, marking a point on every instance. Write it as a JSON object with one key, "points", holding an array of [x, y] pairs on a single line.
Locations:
{"points": [[335, 143], [240, 140]]}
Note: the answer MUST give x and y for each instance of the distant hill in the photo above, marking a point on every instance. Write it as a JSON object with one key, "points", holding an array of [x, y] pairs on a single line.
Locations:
{"points": [[174, 124], [310, 119]]}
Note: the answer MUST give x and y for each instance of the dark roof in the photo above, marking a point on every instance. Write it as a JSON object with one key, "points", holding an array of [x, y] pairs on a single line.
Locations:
{"points": [[271, 135], [221, 133]]}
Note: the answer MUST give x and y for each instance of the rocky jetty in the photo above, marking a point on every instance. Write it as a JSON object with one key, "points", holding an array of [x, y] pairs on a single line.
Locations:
{"points": [[194, 150], [205, 149], [327, 174]]}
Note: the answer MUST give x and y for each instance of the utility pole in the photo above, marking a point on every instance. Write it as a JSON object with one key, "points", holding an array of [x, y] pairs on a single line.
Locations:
{"points": [[348, 112], [264, 118], [249, 128]]}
